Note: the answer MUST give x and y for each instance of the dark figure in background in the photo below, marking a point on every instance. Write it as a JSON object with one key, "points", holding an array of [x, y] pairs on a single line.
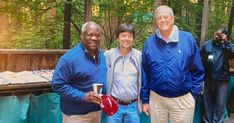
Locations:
{"points": [[215, 54]]}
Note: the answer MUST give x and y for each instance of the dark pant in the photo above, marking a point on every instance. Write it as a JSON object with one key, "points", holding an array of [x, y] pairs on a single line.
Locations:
{"points": [[214, 99]]}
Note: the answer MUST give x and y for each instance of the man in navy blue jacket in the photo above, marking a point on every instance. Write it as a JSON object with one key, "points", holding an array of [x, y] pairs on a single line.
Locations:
{"points": [[215, 54], [74, 76], [172, 72]]}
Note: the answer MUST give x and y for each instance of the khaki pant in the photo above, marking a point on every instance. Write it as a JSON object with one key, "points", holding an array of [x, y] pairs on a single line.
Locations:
{"points": [[92, 117], [177, 110]]}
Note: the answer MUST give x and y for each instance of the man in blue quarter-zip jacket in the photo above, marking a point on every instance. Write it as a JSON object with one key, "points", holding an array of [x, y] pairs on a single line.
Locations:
{"points": [[215, 54], [172, 72], [74, 76]]}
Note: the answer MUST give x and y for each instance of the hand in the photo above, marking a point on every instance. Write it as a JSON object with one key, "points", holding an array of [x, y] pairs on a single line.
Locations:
{"points": [[220, 37], [146, 109], [92, 97], [224, 37]]}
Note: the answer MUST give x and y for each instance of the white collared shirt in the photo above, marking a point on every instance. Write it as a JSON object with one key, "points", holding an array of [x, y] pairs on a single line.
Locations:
{"points": [[124, 84], [174, 36]]}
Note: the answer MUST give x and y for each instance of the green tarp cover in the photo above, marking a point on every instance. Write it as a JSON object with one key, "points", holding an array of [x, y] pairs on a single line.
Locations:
{"points": [[14, 109], [30, 109]]}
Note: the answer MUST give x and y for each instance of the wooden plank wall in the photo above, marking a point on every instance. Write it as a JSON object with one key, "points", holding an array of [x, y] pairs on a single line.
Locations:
{"points": [[28, 59]]}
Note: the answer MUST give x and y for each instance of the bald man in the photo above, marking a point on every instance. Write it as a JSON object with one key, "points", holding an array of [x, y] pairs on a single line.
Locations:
{"points": [[172, 72], [76, 72]]}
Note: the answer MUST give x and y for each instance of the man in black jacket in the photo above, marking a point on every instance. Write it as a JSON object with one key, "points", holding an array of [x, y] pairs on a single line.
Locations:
{"points": [[215, 54]]}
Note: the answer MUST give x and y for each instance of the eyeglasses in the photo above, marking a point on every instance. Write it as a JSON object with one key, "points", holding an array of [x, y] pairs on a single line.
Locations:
{"points": [[163, 17], [90, 35]]}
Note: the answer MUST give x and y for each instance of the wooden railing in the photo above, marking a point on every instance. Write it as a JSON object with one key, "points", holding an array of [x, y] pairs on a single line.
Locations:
{"points": [[17, 60], [28, 59]]}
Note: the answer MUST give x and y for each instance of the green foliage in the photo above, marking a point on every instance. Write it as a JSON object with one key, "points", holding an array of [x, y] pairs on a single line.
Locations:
{"points": [[188, 16], [138, 13], [33, 26], [219, 15]]}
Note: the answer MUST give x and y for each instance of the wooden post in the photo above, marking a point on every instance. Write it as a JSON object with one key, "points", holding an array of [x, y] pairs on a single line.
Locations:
{"points": [[87, 10], [205, 20], [67, 24]]}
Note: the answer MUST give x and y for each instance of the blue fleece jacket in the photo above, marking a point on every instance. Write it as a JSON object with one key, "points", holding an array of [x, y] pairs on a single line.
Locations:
{"points": [[74, 75], [171, 69]]}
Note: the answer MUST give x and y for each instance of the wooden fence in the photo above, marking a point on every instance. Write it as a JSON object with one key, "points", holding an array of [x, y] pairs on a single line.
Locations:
{"points": [[17, 60], [24, 59]]}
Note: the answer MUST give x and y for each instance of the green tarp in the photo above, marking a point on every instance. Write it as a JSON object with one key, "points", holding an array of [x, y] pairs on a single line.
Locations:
{"points": [[42, 109], [14, 109], [30, 109]]}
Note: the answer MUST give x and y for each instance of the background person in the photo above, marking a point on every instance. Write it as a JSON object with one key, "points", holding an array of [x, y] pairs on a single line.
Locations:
{"points": [[76, 72], [215, 54]]}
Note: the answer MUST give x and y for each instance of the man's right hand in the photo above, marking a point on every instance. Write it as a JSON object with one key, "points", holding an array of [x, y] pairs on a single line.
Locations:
{"points": [[146, 109], [92, 97]]}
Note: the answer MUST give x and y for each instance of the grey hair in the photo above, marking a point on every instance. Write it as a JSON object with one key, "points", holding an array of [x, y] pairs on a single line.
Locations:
{"points": [[83, 29], [164, 7]]}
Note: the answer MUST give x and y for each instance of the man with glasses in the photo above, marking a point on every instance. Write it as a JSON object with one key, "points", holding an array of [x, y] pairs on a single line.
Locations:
{"points": [[74, 76]]}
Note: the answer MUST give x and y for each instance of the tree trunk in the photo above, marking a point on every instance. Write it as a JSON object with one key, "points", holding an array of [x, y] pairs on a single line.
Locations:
{"points": [[157, 3], [205, 20], [5, 25], [67, 24], [110, 23], [230, 23], [199, 22], [178, 7], [87, 10]]}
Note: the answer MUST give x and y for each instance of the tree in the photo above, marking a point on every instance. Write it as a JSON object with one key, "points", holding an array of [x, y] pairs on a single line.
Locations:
{"points": [[157, 3], [67, 24], [87, 10], [110, 14], [205, 20], [40, 24], [230, 23]]}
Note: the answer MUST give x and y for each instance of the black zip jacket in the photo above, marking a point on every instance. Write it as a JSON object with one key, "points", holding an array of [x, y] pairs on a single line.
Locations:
{"points": [[215, 58]]}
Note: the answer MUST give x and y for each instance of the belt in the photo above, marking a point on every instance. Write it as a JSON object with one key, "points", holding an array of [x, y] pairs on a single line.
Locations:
{"points": [[124, 102]]}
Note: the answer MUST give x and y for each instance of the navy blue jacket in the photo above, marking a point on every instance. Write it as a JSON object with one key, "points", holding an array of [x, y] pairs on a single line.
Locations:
{"points": [[171, 69], [215, 58], [74, 75]]}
